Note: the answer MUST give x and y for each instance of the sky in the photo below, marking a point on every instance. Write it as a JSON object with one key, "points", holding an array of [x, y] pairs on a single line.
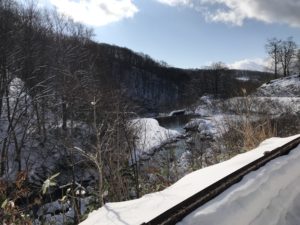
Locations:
{"points": [[189, 33]]}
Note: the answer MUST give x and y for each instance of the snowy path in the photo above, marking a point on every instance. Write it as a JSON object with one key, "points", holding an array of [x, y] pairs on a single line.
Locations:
{"points": [[149, 206]]}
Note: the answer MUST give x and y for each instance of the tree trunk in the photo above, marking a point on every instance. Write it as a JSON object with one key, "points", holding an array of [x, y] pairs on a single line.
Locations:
{"points": [[64, 115]]}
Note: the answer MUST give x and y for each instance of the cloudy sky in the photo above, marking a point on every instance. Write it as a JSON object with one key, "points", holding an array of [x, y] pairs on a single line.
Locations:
{"points": [[189, 33]]}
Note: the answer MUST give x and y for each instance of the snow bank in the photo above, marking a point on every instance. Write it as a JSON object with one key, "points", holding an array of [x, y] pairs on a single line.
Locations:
{"points": [[206, 106], [151, 135], [149, 206], [269, 195], [206, 127]]}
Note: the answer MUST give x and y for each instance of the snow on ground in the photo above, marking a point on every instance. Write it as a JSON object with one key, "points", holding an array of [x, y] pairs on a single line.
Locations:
{"points": [[37, 158], [282, 87], [21, 117], [60, 213], [278, 105], [244, 79], [206, 106], [270, 105], [149, 206], [150, 135], [275, 97], [206, 127], [279, 96], [266, 196]]}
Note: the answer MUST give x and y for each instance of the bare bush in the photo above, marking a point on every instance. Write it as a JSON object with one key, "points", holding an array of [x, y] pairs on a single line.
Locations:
{"points": [[244, 128]]}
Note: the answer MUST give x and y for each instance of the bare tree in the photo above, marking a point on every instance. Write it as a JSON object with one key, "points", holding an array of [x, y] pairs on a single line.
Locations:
{"points": [[8, 52], [217, 68], [109, 144], [9, 55], [273, 48], [298, 62], [286, 54]]}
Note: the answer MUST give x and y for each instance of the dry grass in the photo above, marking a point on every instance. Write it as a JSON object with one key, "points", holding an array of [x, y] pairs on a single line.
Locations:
{"points": [[243, 129]]}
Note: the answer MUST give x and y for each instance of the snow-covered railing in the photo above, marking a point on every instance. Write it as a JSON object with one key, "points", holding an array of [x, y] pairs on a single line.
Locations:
{"points": [[179, 211]]}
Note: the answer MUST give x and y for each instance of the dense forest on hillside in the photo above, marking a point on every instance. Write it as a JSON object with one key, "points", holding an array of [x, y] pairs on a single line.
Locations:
{"points": [[39, 47], [152, 85]]}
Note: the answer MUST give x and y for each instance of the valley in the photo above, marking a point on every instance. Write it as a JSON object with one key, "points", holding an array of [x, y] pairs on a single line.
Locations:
{"points": [[85, 125]]}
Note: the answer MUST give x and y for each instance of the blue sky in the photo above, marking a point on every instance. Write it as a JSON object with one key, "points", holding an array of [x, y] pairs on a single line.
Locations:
{"points": [[189, 33]]}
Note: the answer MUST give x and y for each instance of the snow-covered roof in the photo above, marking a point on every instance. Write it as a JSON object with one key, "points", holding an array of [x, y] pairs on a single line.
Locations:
{"points": [[149, 206]]}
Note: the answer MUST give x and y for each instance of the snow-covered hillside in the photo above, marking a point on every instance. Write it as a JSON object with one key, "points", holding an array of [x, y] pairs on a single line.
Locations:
{"points": [[150, 135], [268, 193], [283, 87], [275, 98], [279, 96]]}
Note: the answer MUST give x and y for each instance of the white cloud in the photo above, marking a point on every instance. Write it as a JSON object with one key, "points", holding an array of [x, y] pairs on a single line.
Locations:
{"points": [[257, 64], [96, 12], [237, 11], [175, 2]]}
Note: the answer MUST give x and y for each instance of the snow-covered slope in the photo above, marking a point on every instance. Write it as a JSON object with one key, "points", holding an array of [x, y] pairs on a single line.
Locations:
{"points": [[283, 87], [276, 97], [150, 135], [151, 205], [279, 96]]}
